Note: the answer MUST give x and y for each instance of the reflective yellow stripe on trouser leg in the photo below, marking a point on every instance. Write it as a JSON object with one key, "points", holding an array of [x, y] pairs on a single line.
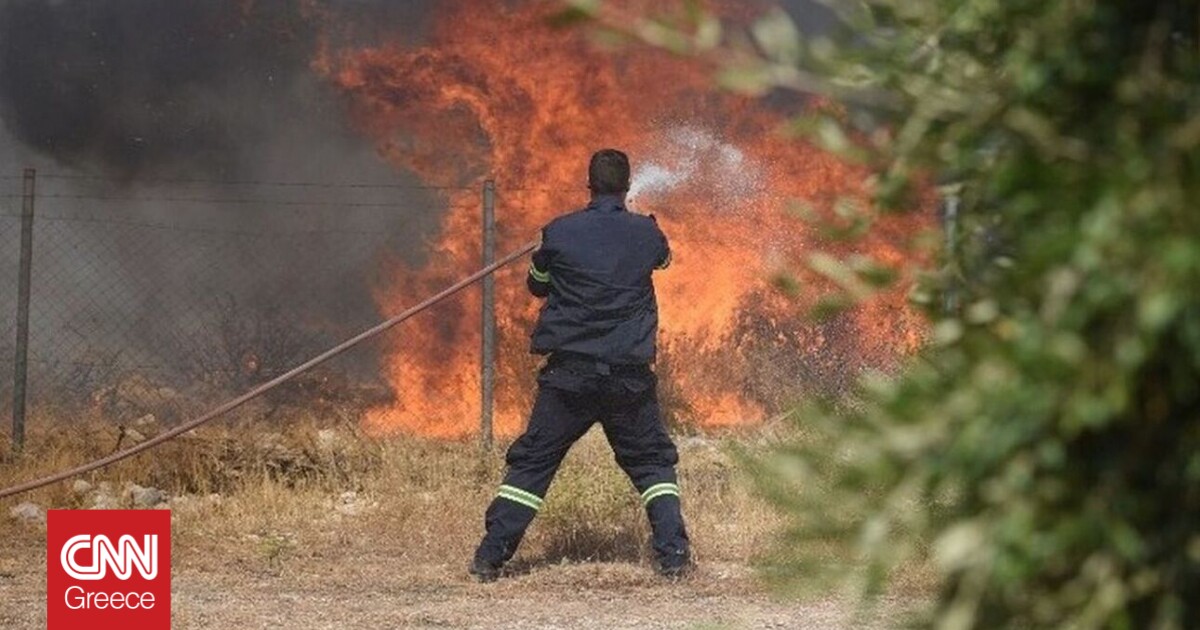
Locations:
{"points": [[517, 495], [659, 490], [540, 276]]}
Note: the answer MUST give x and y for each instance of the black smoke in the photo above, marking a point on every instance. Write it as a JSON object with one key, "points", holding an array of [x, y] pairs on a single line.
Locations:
{"points": [[168, 138], [137, 85]]}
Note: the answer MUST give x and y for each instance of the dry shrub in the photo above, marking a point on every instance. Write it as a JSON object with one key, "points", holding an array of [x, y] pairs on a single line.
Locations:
{"points": [[592, 511], [216, 458]]}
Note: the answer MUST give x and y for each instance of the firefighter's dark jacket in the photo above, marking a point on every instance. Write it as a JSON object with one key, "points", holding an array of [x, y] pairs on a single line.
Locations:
{"points": [[594, 268]]}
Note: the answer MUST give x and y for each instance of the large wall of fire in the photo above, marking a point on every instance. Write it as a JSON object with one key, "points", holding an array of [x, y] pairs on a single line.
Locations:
{"points": [[497, 94]]}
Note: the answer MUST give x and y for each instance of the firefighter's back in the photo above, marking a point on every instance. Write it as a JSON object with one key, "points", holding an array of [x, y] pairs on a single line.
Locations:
{"points": [[601, 304]]}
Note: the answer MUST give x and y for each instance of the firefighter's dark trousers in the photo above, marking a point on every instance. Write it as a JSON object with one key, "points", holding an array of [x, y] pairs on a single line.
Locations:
{"points": [[573, 394]]}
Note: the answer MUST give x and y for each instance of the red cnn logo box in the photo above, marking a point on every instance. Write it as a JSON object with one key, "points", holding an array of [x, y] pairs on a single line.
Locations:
{"points": [[108, 569]]}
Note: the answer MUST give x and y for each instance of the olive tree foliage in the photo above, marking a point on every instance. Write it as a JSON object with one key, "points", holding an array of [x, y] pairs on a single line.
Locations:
{"points": [[1042, 452]]}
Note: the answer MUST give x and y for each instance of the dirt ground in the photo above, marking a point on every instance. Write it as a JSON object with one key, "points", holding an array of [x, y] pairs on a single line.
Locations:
{"points": [[355, 591]]}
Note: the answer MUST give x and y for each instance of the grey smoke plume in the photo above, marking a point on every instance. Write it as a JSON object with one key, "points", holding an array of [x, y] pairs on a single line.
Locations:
{"points": [[139, 87], [122, 100]]}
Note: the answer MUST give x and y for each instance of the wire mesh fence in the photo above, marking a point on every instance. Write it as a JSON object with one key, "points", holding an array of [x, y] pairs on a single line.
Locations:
{"points": [[165, 298], [159, 301]]}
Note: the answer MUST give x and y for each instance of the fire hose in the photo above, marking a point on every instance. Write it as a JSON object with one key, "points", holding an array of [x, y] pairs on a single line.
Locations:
{"points": [[267, 386]]}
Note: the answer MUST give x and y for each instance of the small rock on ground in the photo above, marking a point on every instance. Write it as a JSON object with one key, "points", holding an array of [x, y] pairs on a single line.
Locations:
{"points": [[28, 512]]}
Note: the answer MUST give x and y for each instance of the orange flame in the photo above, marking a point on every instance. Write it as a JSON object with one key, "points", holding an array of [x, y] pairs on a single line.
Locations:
{"points": [[496, 92]]}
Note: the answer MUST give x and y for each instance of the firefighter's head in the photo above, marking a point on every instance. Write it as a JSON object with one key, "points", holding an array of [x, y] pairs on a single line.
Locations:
{"points": [[608, 173]]}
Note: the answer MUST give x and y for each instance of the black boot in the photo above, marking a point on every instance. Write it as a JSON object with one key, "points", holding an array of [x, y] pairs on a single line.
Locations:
{"points": [[484, 571], [675, 566]]}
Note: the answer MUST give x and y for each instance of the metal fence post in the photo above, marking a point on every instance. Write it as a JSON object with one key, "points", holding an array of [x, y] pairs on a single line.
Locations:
{"points": [[21, 361], [488, 358]]}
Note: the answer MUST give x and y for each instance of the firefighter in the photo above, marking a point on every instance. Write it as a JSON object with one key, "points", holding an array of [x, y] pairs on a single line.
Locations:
{"points": [[598, 326]]}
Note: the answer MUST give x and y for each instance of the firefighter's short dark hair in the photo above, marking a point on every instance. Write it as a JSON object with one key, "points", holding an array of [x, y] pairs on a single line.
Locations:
{"points": [[608, 172]]}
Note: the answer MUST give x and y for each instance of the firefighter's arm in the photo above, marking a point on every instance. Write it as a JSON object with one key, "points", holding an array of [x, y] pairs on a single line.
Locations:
{"points": [[538, 279], [664, 256]]}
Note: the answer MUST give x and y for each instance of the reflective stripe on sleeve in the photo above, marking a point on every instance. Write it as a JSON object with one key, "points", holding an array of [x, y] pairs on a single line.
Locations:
{"points": [[517, 495], [659, 490], [540, 276]]}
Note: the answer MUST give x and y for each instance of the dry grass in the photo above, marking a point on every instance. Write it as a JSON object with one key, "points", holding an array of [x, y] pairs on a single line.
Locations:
{"points": [[265, 493], [306, 523]]}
